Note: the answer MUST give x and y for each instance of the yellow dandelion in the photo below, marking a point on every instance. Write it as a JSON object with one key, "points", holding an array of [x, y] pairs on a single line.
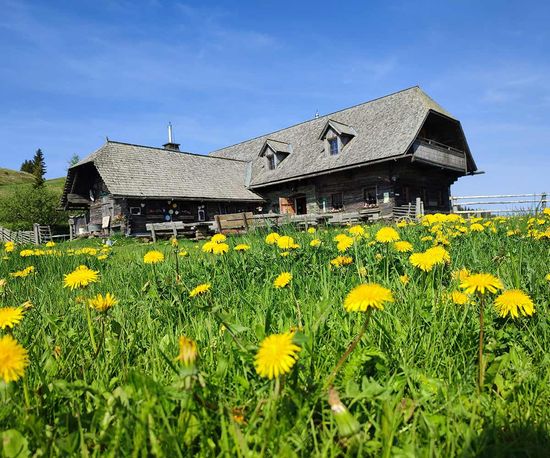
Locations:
{"points": [[23, 273], [282, 280], [183, 253], [26, 253], [311, 230], [422, 261], [546, 211], [218, 238], [459, 298], [438, 254], [13, 359], [242, 247], [102, 257], [276, 356], [153, 257], [10, 316], [284, 254], [403, 246], [461, 274], [362, 271], [315, 243], [9, 247], [547, 277], [480, 283], [476, 227], [82, 276], [271, 239], [404, 279], [387, 235], [220, 248], [285, 242], [200, 289], [50, 244], [344, 243], [512, 301], [340, 261], [174, 242], [102, 303], [367, 295], [188, 351], [426, 238], [356, 231]]}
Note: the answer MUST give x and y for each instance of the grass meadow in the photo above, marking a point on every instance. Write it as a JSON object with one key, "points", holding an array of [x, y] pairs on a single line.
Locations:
{"points": [[110, 383]]}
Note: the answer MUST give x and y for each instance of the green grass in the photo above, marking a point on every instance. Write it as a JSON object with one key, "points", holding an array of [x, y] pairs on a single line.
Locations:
{"points": [[410, 383], [11, 180]]}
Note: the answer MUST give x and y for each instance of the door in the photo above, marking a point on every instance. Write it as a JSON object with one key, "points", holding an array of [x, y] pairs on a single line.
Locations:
{"points": [[286, 206], [301, 205]]}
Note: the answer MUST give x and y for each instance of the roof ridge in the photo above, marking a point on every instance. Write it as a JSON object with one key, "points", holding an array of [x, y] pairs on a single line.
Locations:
{"points": [[315, 119], [170, 151]]}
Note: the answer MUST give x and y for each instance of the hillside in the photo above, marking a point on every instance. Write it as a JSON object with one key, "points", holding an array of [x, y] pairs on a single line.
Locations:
{"points": [[11, 179]]}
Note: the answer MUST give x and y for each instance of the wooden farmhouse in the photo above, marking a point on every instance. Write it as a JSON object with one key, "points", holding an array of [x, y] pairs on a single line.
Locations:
{"points": [[378, 155]]}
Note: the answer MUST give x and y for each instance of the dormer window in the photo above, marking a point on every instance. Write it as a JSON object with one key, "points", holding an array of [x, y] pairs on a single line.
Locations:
{"points": [[333, 146], [271, 162], [275, 152]]}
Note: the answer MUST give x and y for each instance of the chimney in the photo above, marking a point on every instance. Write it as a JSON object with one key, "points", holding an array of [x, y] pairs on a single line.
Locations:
{"points": [[171, 145]]}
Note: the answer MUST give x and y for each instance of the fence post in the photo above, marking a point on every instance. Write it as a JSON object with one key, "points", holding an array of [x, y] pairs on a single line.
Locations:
{"points": [[543, 201], [36, 230], [418, 209]]}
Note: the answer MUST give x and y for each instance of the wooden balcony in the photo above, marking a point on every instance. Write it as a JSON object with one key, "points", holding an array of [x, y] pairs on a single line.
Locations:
{"points": [[435, 153]]}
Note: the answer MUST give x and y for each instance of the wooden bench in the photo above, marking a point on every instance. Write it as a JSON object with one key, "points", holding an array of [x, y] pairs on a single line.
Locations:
{"points": [[235, 223], [170, 227], [345, 219]]}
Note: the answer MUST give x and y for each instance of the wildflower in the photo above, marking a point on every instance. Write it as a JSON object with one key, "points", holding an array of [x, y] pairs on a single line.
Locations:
{"points": [[426, 238], [378, 257], [422, 261], [476, 227], [282, 280], [461, 274], [546, 211], [459, 298], [387, 235], [340, 261], [50, 244], [284, 254], [220, 248], [438, 254], [153, 257], [188, 351], [208, 247], [174, 242], [547, 277], [26, 253], [102, 303], [311, 230], [271, 239], [367, 295], [23, 273], [242, 247], [286, 242], [102, 257], [276, 356], [27, 305], [362, 271], [315, 243], [509, 302], [10, 316], [345, 421], [200, 289], [344, 243], [183, 253], [13, 359], [9, 247], [402, 246], [218, 238], [480, 283], [356, 231], [82, 276]]}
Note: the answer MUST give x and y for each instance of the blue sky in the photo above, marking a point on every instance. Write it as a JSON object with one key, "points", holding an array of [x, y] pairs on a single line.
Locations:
{"points": [[222, 72]]}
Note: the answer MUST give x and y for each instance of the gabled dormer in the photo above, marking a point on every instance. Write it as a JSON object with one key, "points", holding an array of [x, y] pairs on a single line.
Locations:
{"points": [[275, 152], [336, 136]]}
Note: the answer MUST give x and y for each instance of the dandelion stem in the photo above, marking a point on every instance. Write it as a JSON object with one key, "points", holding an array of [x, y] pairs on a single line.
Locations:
{"points": [[350, 348], [91, 329], [26, 392], [481, 375]]}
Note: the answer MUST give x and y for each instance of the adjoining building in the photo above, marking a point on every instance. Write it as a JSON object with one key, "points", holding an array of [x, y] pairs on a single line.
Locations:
{"points": [[380, 154]]}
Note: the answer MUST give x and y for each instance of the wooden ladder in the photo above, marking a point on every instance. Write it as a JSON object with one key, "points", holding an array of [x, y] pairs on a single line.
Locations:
{"points": [[43, 234]]}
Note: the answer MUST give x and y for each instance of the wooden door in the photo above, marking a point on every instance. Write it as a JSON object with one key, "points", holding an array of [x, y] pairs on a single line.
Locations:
{"points": [[286, 206]]}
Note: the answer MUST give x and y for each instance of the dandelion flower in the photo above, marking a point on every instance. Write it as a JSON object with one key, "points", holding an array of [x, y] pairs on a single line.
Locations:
{"points": [[13, 359], [422, 261], [276, 356], [509, 302], [367, 295], [480, 283], [200, 289], [218, 238], [102, 303], [271, 239], [356, 231], [188, 351], [282, 280], [220, 248], [459, 298], [174, 242], [50, 244], [82, 276], [10, 316], [286, 242], [438, 254], [344, 243], [208, 247], [284, 254], [461, 274], [311, 230], [23, 273], [547, 277], [403, 246], [476, 227], [315, 243], [362, 271], [153, 257], [9, 247], [387, 235], [182, 253], [340, 261], [404, 279], [242, 247]]}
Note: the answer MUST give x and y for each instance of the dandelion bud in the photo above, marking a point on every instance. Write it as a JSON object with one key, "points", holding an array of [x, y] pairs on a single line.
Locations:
{"points": [[345, 421]]}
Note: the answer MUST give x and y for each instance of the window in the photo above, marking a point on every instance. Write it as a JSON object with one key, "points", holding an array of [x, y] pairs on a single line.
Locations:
{"points": [[337, 201], [271, 162], [333, 146], [369, 196], [135, 211]]}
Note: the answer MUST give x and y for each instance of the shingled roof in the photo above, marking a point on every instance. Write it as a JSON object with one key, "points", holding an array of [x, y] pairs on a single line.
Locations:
{"points": [[145, 172], [383, 128]]}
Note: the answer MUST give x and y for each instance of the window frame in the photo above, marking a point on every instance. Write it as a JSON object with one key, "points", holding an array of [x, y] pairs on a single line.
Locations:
{"points": [[341, 196], [366, 191], [271, 162], [333, 141]]}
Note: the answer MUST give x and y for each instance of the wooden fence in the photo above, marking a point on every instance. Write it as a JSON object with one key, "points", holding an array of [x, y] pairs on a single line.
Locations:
{"points": [[39, 234], [499, 204]]}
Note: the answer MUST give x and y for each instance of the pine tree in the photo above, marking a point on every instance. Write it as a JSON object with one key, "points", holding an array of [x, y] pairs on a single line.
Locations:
{"points": [[75, 158], [39, 168], [27, 166]]}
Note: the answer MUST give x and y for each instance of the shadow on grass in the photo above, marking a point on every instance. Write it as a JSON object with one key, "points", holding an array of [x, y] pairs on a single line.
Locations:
{"points": [[513, 440]]}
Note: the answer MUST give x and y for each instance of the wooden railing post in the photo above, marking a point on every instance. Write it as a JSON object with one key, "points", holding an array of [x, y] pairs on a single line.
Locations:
{"points": [[36, 230]]}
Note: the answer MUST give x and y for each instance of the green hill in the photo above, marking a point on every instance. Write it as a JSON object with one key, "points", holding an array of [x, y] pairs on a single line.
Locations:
{"points": [[11, 179]]}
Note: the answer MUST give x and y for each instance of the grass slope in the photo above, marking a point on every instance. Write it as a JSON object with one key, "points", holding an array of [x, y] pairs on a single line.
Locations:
{"points": [[110, 384], [10, 180]]}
